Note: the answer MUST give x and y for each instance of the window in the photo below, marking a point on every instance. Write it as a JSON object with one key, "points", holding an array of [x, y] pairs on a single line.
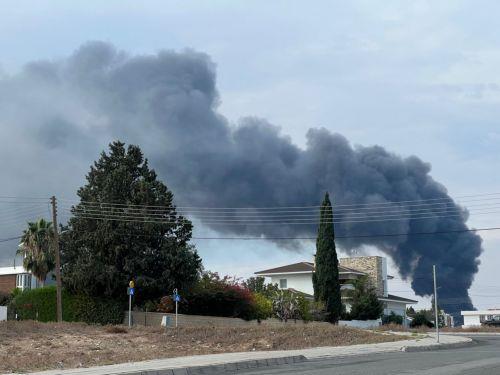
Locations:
{"points": [[19, 282], [23, 281], [282, 283]]}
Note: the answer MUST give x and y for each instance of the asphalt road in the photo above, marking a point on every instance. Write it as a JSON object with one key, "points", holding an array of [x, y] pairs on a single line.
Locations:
{"points": [[483, 357]]}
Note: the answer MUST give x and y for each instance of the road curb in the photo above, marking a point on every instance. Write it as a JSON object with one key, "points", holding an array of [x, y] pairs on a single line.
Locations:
{"points": [[224, 368], [436, 346]]}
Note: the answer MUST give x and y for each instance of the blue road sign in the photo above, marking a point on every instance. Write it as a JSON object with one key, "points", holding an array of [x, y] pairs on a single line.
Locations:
{"points": [[177, 298], [130, 291]]}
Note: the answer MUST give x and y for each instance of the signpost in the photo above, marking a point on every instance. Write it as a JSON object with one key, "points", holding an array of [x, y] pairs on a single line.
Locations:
{"points": [[177, 299], [130, 292]]}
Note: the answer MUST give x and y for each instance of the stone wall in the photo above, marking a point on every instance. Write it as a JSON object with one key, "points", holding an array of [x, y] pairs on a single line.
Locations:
{"points": [[371, 265]]}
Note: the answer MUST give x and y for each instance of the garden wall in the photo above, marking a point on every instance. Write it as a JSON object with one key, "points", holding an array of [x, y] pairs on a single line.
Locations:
{"points": [[3, 313], [154, 319], [361, 323]]}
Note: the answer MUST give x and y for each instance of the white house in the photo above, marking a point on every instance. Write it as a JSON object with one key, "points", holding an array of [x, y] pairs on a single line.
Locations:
{"points": [[16, 277], [478, 318], [298, 277]]}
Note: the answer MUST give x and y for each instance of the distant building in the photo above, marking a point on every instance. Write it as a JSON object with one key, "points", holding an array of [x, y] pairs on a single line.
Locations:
{"points": [[16, 277], [298, 277], [480, 318]]}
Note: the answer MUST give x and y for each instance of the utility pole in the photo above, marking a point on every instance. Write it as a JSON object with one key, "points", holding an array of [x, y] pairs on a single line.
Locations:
{"points": [[58, 259], [435, 303]]}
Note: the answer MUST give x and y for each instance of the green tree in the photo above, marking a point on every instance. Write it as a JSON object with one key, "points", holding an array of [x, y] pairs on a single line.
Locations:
{"points": [[107, 243], [258, 285], [421, 319], [365, 304], [326, 274], [37, 250]]}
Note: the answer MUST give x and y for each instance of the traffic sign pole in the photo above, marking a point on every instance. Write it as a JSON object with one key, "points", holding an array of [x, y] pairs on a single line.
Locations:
{"points": [[130, 310], [130, 292], [176, 297]]}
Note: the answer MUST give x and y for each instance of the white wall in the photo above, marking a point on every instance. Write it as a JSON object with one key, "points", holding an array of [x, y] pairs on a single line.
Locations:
{"points": [[3, 313], [471, 321], [301, 282], [399, 308]]}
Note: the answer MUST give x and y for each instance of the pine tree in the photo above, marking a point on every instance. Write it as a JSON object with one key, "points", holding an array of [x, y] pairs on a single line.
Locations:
{"points": [[100, 256], [326, 275]]}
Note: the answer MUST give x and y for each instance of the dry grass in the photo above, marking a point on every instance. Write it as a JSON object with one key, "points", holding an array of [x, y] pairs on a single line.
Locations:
{"points": [[400, 328], [473, 329], [30, 346]]}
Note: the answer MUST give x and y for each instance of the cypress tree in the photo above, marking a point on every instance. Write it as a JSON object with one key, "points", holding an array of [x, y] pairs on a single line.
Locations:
{"points": [[326, 275]]}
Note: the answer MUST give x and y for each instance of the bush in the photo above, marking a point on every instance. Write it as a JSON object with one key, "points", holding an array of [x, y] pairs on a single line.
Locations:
{"points": [[420, 319], [392, 318], [216, 296], [5, 298], [264, 307], [286, 305], [304, 309], [40, 304], [166, 305]]}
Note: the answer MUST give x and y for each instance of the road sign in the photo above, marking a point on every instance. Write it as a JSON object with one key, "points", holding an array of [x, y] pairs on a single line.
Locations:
{"points": [[131, 284], [177, 298], [130, 291]]}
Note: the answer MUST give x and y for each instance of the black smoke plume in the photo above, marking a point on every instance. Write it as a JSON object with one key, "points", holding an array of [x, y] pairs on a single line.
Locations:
{"points": [[64, 112]]}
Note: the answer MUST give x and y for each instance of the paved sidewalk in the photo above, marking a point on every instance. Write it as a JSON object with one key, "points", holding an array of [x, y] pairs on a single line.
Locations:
{"points": [[425, 343]]}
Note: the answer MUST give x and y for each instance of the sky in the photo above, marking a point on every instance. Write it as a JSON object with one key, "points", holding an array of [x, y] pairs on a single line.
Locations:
{"points": [[416, 77]]}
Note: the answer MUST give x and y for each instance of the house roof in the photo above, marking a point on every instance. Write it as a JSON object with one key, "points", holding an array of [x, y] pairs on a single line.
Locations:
{"points": [[392, 297], [295, 267], [302, 267], [12, 270]]}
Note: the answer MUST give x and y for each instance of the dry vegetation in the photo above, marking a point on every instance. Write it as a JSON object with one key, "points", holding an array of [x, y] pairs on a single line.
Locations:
{"points": [[485, 329], [29, 346]]}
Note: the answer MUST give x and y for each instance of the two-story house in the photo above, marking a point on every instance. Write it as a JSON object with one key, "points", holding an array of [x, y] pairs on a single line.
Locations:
{"points": [[298, 277], [16, 277]]}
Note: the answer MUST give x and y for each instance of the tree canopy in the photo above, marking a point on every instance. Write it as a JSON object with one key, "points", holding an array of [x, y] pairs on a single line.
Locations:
{"points": [[326, 274], [101, 253], [36, 247], [365, 304]]}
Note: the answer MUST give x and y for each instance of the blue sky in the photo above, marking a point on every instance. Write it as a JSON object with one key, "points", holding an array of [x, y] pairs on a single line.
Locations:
{"points": [[417, 77]]}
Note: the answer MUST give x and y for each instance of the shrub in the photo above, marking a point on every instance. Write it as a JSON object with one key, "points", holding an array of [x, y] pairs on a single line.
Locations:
{"points": [[392, 318], [286, 305], [264, 307], [218, 296], [258, 285], [420, 319], [5, 298], [166, 305], [40, 304], [152, 306], [305, 308]]}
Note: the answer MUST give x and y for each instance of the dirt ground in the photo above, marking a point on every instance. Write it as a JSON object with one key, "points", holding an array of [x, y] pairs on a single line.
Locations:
{"points": [[29, 346]]}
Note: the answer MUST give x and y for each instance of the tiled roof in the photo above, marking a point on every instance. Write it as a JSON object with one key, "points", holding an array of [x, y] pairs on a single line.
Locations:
{"points": [[296, 267], [301, 267]]}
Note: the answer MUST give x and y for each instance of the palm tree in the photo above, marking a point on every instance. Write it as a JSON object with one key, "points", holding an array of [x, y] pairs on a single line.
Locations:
{"points": [[36, 247]]}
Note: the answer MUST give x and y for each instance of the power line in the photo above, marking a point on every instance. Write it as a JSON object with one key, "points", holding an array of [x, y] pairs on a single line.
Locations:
{"points": [[236, 217], [10, 239], [295, 207], [148, 219]]}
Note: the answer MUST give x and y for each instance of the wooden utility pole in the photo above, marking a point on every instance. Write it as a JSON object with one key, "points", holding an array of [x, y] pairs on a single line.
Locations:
{"points": [[58, 259]]}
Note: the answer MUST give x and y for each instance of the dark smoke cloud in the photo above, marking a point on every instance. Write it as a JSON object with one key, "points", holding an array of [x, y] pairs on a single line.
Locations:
{"points": [[64, 112]]}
